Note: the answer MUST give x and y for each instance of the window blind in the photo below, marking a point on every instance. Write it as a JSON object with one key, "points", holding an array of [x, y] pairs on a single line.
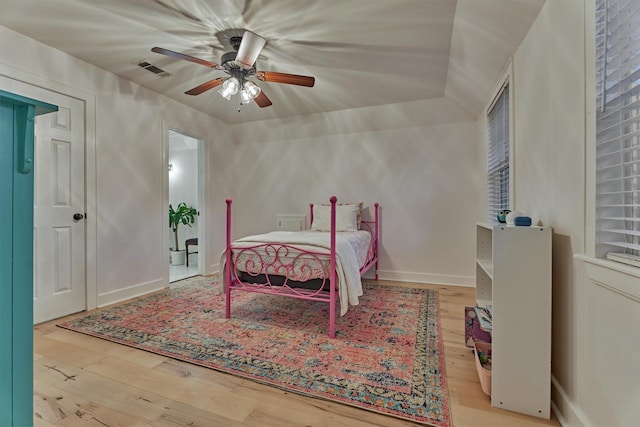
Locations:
{"points": [[498, 155], [618, 127]]}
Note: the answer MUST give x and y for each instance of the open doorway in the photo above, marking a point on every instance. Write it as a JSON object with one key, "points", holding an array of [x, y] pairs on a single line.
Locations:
{"points": [[184, 173]]}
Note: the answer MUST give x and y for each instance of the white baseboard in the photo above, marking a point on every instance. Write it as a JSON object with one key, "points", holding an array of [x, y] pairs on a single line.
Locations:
{"points": [[212, 269], [123, 294], [434, 279], [564, 409]]}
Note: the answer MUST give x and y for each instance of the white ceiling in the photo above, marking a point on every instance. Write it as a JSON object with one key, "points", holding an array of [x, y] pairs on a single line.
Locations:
{"points": [[361, 52]]}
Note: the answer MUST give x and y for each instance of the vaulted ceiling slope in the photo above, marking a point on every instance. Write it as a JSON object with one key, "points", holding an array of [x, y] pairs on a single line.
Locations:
{"points": [[362, 53]]}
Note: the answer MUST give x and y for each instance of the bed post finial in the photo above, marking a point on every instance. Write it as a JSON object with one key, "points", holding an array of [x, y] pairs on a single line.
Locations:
{"points": [[333, 199], [228, 201]]}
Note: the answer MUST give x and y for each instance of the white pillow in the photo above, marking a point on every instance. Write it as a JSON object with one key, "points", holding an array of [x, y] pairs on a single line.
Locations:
{"points": [[346, 217]]}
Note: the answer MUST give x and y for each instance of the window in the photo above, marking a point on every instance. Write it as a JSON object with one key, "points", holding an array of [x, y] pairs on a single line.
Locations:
{"points": [[618, 130], [498, 154]]}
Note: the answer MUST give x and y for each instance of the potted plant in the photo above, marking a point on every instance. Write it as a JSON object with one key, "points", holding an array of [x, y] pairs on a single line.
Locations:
{"points": [[185, 215]]}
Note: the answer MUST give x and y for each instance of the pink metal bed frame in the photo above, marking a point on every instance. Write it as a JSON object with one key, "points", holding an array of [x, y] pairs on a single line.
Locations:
{"points": [[282, 257]]}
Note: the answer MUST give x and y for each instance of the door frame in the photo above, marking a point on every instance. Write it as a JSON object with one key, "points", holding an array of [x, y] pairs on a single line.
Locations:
{"points": [[14, 81], [16, 335], [202, 247]]}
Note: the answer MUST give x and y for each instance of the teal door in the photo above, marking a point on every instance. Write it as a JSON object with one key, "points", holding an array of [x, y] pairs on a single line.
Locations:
{"points": [[16, 257]]}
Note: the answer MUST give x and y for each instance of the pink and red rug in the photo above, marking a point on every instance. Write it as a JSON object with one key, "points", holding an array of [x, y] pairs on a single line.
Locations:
{"points": [[387, 356]]}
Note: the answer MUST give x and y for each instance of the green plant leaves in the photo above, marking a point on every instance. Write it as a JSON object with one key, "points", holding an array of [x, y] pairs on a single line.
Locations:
{"points": [[182, 214]]}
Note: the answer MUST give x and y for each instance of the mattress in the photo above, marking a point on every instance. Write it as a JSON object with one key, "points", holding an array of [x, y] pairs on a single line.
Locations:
{"points": [[299, 260]]}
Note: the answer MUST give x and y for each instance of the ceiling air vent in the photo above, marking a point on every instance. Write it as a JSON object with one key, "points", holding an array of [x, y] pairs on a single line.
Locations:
{"points": [[153, 69]]}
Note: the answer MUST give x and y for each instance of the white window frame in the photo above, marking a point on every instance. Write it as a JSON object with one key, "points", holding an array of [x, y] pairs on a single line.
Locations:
{"points": [[596, 199], [505, 83]]}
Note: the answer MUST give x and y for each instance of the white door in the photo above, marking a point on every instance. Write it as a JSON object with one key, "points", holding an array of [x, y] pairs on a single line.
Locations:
{"points": [[59, 237]]}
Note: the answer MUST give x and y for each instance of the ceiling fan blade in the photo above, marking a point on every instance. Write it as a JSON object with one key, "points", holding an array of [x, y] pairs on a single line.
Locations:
{"points": [[206, 86], [250, 48], [262, 100], [179, 55], [291, 79]]}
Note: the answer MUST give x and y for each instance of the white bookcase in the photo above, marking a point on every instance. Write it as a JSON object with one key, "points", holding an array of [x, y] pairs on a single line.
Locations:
{"points": [[513, 276]]}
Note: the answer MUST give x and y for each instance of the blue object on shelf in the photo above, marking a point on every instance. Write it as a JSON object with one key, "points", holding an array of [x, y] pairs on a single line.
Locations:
{"points": [[522, 221], [502, 215]]}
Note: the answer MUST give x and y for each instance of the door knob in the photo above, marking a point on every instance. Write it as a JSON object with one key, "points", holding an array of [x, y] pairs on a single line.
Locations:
{"points": [[78, 216]]}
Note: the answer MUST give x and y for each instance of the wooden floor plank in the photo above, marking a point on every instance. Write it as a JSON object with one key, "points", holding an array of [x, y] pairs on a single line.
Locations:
{"points": [[86, 381]]}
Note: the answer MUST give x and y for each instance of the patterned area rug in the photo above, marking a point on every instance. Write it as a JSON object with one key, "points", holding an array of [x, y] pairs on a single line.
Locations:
{"points": [[387, 356]]}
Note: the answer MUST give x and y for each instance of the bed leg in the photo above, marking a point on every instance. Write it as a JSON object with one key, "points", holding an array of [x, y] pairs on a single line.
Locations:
{"points": [[332, 274], [227, 267], [377, 236], [332, 318]]}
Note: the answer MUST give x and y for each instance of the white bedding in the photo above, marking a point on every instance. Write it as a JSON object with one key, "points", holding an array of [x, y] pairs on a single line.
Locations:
{"points": [[351, 253]]}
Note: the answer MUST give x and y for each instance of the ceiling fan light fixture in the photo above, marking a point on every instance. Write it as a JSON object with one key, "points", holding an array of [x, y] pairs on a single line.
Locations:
{"points": [[245, 97], [232, 84], [249, 92], [229, 87], [252, 88], [225, 94]]}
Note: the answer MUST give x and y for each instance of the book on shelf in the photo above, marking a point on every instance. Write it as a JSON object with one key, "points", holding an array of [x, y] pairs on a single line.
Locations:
{"points": [[485, 315]]}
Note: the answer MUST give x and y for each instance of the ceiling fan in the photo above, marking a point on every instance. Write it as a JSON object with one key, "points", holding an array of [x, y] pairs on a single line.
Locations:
{"points": [[240, 65]]}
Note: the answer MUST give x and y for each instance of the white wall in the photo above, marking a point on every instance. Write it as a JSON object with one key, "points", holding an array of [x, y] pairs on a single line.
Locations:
{"points": [[421, 162], [130, 125], [596, 374]]}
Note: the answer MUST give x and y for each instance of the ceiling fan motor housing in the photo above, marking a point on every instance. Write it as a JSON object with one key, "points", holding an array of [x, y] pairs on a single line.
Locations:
{"points": [[227, 58], [229, 63], [235, 42]]}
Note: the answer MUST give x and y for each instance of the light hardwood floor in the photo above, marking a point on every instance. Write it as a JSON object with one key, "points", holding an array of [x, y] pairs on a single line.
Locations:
{"points": [[86, 381]]}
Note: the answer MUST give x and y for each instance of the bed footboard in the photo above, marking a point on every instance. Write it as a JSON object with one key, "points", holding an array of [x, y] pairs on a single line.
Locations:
{"points": [[279, 268]]}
